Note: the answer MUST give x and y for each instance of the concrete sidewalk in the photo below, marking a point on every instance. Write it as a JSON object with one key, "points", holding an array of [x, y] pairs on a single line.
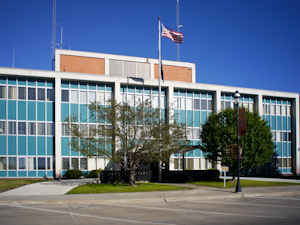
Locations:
{"points": [[265, 179]]}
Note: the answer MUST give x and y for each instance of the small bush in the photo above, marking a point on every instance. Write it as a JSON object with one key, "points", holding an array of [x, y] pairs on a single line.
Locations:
{"points": [[93, 173], [73, 174]]}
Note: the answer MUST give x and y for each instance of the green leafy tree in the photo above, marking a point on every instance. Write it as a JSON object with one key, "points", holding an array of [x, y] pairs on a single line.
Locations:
{"points": [[136, 135], [219, 140]]}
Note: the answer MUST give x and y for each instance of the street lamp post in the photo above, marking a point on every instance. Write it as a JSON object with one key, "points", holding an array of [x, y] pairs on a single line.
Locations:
{"points": [[238, 187]]}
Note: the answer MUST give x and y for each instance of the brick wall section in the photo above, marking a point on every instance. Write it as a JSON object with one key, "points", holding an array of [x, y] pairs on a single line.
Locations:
{"points": [[175, 73], [79, 64]]}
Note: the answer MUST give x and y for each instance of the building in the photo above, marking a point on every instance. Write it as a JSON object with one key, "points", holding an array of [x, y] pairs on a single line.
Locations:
{"points": [[34, 105]]}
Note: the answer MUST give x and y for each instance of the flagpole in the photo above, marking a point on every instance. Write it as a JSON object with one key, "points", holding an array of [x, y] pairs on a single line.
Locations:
{"points": [[159, 92]]}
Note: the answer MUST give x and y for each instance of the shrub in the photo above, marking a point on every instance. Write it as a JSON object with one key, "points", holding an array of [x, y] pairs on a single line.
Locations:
{"points": [[73, 174], [93, 173]]}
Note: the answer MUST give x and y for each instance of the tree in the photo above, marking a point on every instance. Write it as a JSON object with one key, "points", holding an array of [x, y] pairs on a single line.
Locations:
{"points": [[219, 140], [136, 133]]}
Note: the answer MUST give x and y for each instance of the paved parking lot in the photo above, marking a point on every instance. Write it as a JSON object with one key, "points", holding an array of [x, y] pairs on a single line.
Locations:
{"points": [[202, 206]]}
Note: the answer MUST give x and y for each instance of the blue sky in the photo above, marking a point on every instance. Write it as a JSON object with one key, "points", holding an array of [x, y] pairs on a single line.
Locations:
{"points": [[249, 43]]}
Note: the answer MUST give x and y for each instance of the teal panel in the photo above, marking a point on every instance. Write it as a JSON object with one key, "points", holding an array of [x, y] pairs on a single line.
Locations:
{"points": [[12, 110], [41, 173], [64, 111], [273, 125], [12, 81], [21, 145], [21, 110], [31, 145], [176, 115], [31, 83], [41, 83], [284, 123], [12, 145], [203, 117], [2, 80], [289, 123], [50, 150], [278, 118], [31, 110], [196, 119], [41, 146], [22, 174], [92, 116], [289, 150], [284, 152], [65, 84], [31, 173], [50, 174], [279, 149], [50, 84], [50, 112], [2, 109], [197, 153], [74, 153], [12, 173], [3, 173], [109, 88], [189, 118], [74, 84], [41, 111], [65, 147], [92, 86], [2, 145], [182, 116], [83, 85], [83, 113], [268, 119], [74, 111]]}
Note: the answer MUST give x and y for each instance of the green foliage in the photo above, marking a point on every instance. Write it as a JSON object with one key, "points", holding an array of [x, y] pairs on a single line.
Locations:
{"points": [[93, 173], [73, 174], [219, 138]]}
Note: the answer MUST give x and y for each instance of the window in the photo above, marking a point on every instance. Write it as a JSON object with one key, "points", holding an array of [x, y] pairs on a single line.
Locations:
{"points": [[74, 97], [31, 129], [92, 97], [176, 164], [12, 163], [41, 128], [189, 104], [41, 163], [83, 97], [22, 163], [65, 95], [66, 130], [203, 104], [11, 127], [41, 94], [2, 127], [65, 164], [278, 110], [12, 92], [22, 128], [84, 130], [31, 163], [48, 163], [83, 163], [2, 163], [196, 104], [283, 110], [50, 94], [273, 107], [209, 105], [75, 163], [22, 93], [2, 92], [50, 129], [31, 94], [100, 98], [92, 130]]}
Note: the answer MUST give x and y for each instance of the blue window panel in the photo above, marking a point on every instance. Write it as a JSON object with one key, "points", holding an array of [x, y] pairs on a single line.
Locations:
{"points": [[22, 174], [2, 80], [12, 110], [289, 123], [22, 145], [203, 117], [50, 83], [32, 173], [189, 118], [279, 149], [92, 86], [41, 146], [31, 111], [21, 110], [41, 83], [65, 147], [2, 145], [64, 111], [2, 109], [273, 125], [190, 94], [74, 84], [65, 84], [12, 173], [288, 170], [3, 173], [74, 112], [182, 116], [108, 88], [83, 113], [74, 153], [31, 83], [289, 150], [41, 173], [41, 111], [12, 81], [50, 174], [284, 123], [163, 115], [284, 151], [22, 82], [31, 145], [278, 118], [12, 145], [190, 153], [197, 153], [92, 116], [50, 111], [203, 95], [50, 146], [83, 85], [197, 119], [101, 87], [280, 170]]}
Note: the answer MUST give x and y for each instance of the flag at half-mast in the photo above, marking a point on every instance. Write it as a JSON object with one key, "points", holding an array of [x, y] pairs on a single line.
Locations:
{"points": [[175, 36]]}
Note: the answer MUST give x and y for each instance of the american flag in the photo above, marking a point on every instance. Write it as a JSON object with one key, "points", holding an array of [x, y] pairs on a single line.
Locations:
{"points": [[175, 36]]}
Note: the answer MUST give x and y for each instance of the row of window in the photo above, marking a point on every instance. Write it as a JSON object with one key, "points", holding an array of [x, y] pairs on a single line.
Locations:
{"points": [[193, 104], [230, 105], [85, 85], [30, 93], [284, 110], [85, 97], [191, 164], [137, 99], [284, 162], [26, 128], [194, 94], [74, 163], [29, 163], [281, 136]]}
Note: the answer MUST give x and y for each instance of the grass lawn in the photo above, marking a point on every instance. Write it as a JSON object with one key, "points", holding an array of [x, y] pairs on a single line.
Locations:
{"points": [[117, 188], [7, 184], [244, 183]]}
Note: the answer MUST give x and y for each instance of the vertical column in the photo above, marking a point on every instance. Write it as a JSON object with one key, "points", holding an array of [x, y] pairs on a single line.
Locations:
{"points": [[217, 101], [259, 105], [117, 92], [297, 135], [57, 115], [106, 68]]}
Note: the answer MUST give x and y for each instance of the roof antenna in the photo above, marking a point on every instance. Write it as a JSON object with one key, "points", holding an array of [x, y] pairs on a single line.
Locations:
{"points": [[61, 37], [178, 26]]}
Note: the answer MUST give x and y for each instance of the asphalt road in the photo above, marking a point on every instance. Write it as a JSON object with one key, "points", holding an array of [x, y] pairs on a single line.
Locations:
{"points": [[188, 208]]}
